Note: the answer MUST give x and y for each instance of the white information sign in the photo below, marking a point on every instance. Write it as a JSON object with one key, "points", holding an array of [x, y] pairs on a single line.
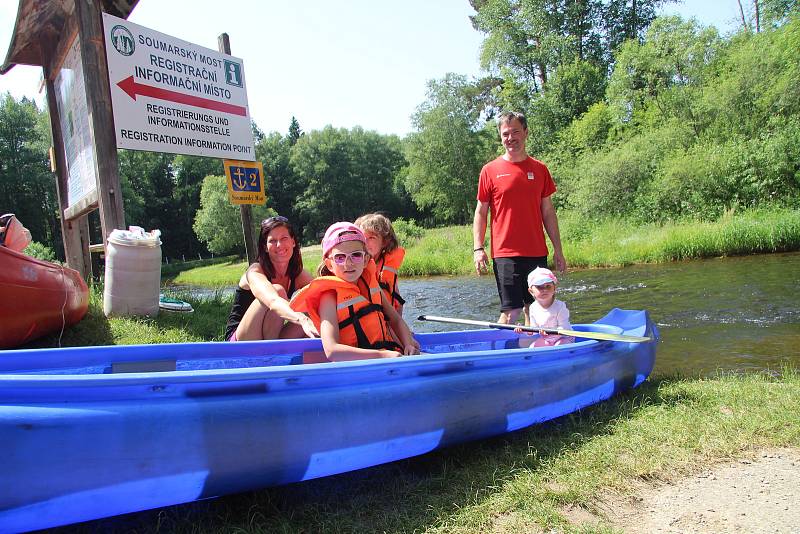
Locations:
{"points": [[76, 130], [172, 96]]}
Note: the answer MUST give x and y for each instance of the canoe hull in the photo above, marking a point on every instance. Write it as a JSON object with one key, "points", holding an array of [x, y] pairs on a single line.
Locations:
{"points": [[148, 441], [38, 297]]}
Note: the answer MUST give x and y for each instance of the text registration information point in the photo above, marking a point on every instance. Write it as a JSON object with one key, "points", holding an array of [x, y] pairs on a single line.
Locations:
{"points": [[173, 96]]}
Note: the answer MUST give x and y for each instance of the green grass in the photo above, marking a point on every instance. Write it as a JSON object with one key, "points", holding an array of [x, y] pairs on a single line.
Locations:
{"points": [[523, 481], [174, 268], [617, 242], [206, 323], [611, 243]]}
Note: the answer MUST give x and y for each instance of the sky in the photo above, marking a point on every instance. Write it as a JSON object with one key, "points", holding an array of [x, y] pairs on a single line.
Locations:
{"points": [[356, 63]]}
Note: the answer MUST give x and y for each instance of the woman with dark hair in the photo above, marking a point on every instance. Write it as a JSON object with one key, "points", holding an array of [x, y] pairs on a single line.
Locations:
{"points": [[261, 303]]}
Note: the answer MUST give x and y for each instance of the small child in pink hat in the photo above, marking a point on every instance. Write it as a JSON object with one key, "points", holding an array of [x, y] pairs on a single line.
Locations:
{"points": [[546, 311]]}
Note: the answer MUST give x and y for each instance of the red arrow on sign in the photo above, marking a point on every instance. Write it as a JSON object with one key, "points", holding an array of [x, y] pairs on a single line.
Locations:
{"points": [[130, 86]]}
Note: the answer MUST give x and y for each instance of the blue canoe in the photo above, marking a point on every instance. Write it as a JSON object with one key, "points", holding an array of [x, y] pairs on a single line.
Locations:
{"points": [[93, 432]]}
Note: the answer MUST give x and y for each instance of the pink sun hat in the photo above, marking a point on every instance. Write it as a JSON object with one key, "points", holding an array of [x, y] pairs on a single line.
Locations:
{"points": [[540, 276], [339, 233]]}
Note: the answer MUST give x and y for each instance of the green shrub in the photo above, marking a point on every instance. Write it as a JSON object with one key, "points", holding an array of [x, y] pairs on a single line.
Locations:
{"points": [[407, 230], [608, 183], [713, 177], [40, 251]]}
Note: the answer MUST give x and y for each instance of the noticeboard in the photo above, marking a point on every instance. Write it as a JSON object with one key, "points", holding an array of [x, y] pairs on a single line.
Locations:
{"points": [[170, 95], [75, 128]]}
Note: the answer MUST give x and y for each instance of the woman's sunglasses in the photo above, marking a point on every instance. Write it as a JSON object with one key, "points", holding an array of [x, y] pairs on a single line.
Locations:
{"points": [[277, 218], [355, 257]]}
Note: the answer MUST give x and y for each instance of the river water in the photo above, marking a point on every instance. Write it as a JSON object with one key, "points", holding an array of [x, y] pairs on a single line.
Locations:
{"points": [[729, 313], [739, 313]]}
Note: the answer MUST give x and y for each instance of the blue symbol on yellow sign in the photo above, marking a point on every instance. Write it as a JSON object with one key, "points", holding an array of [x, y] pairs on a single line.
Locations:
{"points": [[245, 181]]}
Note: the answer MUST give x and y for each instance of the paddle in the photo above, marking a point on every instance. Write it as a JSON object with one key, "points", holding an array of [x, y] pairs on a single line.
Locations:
{"points": [[564, 332]]}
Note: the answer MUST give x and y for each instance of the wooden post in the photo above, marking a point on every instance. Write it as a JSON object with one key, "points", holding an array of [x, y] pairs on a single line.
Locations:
{"points": [[72, 231], [244, 209], [98, 95]]}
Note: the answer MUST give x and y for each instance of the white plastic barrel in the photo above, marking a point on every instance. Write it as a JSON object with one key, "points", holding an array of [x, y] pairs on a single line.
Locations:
{"points": [[133, 272]]}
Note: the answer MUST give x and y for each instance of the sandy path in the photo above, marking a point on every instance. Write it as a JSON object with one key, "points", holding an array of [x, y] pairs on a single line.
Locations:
{"points": [[756, 495]]}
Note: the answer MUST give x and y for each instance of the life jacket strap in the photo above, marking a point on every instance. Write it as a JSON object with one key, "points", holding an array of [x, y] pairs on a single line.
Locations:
{"points": [[393, 292]]}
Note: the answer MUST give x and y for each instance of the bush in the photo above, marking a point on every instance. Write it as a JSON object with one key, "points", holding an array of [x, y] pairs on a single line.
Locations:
{"points": [[608, 184], [40, 251], [218, 222], [711, 178], [407, 230]]}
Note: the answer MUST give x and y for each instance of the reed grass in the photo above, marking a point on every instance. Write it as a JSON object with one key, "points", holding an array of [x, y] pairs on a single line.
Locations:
{"points": [[587, 244], [617, 242]]}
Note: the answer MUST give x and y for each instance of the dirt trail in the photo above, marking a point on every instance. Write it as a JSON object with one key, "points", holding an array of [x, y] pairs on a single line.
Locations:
{"points": [[760, 494]]}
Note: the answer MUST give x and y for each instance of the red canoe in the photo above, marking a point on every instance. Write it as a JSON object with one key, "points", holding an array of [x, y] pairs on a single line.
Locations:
{"points": [[38, 298]]}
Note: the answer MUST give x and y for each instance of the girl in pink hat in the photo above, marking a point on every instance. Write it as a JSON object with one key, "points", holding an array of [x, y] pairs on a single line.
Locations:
{"points": [[547, 311], [346, 304]]}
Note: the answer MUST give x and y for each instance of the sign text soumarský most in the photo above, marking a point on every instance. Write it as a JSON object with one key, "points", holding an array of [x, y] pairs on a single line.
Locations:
{"points": [[172, 96]]}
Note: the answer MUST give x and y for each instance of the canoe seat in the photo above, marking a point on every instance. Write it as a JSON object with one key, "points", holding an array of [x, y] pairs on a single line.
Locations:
{"points": [[144, 366]]}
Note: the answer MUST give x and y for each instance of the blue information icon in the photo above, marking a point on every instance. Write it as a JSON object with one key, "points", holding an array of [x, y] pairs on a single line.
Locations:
{"points": [[245, 179]]}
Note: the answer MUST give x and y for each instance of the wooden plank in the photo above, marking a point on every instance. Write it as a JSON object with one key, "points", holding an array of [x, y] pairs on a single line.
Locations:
{"points": [[61, 48], [98, 94], [245, 211], [84, 206], [70, 233]]}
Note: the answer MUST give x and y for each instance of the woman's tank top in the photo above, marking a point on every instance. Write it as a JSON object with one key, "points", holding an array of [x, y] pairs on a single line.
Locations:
{"points": [[242, 299]]}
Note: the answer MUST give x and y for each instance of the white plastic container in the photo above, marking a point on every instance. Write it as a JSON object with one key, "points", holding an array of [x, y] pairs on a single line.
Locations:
{"points": [[133, 272]]}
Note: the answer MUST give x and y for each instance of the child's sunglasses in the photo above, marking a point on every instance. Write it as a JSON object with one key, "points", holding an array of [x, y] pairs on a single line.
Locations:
{"points": [[355, 257]]}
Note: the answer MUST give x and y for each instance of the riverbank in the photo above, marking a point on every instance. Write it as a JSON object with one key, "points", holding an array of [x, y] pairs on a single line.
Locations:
{"points": [[568, 475], [613, 243], [572, 474]]}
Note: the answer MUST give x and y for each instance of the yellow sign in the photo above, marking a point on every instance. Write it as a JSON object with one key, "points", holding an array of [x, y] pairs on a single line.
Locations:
{"points": [[245, 181]]}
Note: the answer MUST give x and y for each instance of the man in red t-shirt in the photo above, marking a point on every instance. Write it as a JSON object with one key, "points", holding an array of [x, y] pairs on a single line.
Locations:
{"points": [[516, 188]]}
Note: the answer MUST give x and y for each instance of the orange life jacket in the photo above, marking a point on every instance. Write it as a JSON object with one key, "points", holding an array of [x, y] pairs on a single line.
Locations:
{"points": [[388, 266], [358, 309]]}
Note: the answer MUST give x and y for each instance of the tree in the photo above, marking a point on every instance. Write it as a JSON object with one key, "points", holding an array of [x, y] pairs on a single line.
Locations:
{"points": [[666, 71], [189, 174], [347, 172], [531, 38], [283, 186], [625, 20], [218, 223], [148, 190], [762, 14], [27, 188], [530, 44], [258, 135], [294, 131], [573, 89], [447, 151], [694, 126]]}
